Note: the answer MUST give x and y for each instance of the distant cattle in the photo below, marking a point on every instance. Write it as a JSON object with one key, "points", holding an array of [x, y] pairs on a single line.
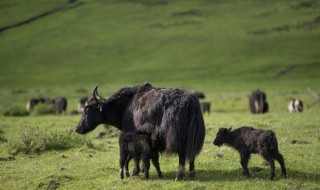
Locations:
{"points": [[139, 147], [205, 107], [35, 101], [199, 95], [82, 103], [258, 102], [172, 117], [295, 105], [59, 104]]}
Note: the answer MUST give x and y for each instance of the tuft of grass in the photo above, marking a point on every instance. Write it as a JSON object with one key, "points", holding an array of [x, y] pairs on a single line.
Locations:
{"points": [[36, 141]]}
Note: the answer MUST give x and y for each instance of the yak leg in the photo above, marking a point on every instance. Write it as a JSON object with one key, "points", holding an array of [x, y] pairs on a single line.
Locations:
{"points": [[280, 159], [192, 172], [181, 168], [136, 169], [244, 163]]}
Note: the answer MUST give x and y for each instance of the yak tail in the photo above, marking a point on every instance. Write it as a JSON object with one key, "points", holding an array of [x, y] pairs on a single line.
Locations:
{"points": [[196, 133]]}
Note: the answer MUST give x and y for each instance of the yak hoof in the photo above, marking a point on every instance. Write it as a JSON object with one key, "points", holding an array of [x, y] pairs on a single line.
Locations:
{"points": [[135, 173], [192, 174], [179, 176]]}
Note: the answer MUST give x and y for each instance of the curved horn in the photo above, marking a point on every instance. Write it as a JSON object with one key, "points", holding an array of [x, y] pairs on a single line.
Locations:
{"points": [[96, 97]]}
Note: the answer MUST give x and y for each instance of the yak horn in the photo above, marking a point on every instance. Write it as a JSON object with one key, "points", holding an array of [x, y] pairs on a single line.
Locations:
{"points": [[96, 97]]}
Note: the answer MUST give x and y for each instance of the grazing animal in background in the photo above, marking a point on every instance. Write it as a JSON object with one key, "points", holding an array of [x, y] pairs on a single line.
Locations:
{"points": [[35, 101], [31, 103], [82, 103], [247, 140], [139, 147], [258, 102], [60, 105], [172, 117], [295, 105], [199, 95], [205, 107]]}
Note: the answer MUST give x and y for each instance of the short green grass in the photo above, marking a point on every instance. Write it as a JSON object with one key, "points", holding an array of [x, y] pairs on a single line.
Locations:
{"points": [[222, 48]]}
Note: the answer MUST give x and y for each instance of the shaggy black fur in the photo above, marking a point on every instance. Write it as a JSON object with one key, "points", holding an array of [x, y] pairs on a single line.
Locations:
{"points": [[258, 102], [172, 117], [247, 140], [138, 146]]}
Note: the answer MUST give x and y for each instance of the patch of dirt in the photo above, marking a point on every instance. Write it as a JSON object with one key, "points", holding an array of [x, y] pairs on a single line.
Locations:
{"points": [[53, 182], [299, 142]]}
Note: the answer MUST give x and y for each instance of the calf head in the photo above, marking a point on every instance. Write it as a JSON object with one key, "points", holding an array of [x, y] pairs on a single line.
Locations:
{"points": [[221, 136]]}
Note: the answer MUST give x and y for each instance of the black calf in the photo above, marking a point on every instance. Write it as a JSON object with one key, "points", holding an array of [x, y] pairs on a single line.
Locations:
{"points": [[137, 146], [247, 140]]}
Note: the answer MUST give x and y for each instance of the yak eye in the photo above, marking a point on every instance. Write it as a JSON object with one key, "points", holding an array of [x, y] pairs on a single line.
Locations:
{"points": [[87, 108]]}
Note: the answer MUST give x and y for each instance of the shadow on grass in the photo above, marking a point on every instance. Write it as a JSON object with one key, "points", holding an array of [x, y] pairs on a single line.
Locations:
{"points": [[236, 175]]}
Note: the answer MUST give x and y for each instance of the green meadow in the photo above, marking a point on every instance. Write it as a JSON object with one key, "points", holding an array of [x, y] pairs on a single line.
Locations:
{"points": [[225, 49]]}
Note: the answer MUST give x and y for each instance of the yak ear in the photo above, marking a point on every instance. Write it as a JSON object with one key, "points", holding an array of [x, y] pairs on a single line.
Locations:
{"points": [[230, 129]]}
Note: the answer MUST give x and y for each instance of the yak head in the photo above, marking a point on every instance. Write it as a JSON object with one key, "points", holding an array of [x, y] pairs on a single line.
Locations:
{"points": [[92, 115], [221, 136]]}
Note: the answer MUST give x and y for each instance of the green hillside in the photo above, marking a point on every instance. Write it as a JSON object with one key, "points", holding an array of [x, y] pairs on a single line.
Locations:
{"points": [[224, 48], [175, 43]]}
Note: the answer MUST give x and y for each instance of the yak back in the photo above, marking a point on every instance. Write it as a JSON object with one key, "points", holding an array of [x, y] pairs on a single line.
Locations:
{"points": [[252, 139]]}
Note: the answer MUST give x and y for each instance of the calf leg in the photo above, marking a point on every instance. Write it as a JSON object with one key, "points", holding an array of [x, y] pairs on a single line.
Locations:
{"points": [[146, 163], [127, 167], [136, 169], [267, 156], [272, 167], [122, 162], [244, 163], [280, 159], [181, 168], [155, 162]]}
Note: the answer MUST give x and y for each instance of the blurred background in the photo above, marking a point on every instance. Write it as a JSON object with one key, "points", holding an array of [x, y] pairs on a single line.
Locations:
{"points": [[224, 49]]}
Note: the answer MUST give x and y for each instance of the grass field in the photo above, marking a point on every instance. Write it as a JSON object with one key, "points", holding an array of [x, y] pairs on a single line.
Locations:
{"points": [[225, 49]]}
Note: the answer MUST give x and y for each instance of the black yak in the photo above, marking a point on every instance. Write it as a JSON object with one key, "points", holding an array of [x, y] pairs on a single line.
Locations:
{"points": [[295, 105], [247, 140], [139, 147], [258, 102], [172, 117]]}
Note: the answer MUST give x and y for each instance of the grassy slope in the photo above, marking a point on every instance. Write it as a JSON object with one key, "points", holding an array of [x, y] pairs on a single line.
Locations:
{"points": [[223, 48]]}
